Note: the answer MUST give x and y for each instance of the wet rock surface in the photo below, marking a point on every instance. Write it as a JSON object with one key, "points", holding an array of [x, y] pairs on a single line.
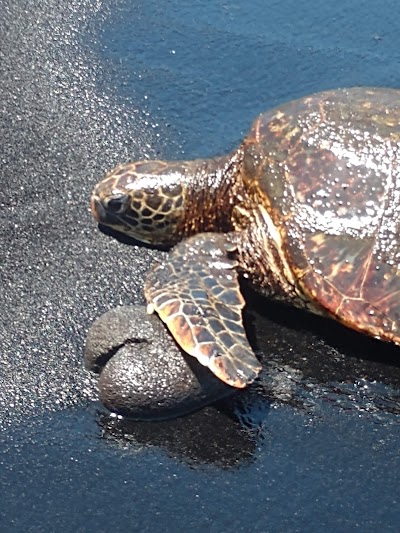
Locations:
{"points": [[143, 373]]}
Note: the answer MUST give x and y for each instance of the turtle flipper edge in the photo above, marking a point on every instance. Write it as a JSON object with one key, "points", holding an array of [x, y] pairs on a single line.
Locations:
{"points": [[196, 293]]}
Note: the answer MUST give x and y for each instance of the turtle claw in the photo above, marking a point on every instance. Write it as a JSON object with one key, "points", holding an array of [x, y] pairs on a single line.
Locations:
{"points": [[196, 293], [234, 372]]}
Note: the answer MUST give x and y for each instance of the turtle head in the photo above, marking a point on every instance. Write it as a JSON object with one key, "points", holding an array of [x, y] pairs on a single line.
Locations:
{"points": [[145, 200]]}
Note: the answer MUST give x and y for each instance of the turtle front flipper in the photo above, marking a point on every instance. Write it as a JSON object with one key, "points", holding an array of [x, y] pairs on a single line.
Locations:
{"points": [[196, 293]]}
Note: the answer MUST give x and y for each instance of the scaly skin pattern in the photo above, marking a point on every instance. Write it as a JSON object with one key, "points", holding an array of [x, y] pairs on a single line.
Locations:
{"points": [[139, 200], [196, 293], [161, 202]]}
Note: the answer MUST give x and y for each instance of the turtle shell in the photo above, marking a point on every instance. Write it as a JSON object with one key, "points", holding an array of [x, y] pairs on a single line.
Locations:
{"points": [[326, 169]]}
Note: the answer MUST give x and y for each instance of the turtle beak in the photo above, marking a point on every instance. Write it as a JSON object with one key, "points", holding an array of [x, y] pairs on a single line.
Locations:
{"points": [[101, 214], [98, 210]]}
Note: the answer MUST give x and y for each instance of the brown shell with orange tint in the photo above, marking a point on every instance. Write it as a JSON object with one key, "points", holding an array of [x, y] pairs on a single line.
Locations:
{"points": [[327, 170]]}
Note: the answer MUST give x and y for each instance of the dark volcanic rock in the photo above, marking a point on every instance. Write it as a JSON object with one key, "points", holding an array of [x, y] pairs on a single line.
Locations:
{"points": [[143, 373]]}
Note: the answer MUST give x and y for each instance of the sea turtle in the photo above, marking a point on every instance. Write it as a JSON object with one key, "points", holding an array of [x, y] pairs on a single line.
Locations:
{"points": [[307, 208]]}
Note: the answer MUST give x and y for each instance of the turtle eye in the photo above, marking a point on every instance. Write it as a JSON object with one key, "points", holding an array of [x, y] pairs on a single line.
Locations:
{"points": [[116, 204]]}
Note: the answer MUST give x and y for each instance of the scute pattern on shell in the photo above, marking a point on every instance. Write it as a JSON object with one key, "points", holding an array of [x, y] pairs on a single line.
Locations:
{"points": [[327, 168]]}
